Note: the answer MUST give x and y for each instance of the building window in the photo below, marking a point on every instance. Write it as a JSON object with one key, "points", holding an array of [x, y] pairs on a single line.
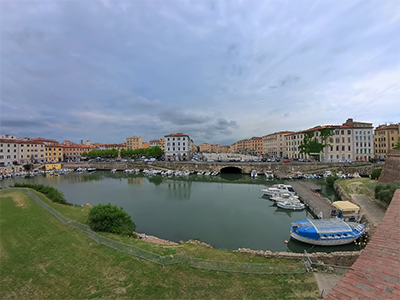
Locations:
{"points": [[348, 131], [342, 148], [349, 148]]}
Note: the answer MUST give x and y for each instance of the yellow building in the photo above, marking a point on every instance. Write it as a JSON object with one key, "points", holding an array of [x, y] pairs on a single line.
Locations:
{"points": [[134, 142], [386, 137], [160, 143], [54, 152]]}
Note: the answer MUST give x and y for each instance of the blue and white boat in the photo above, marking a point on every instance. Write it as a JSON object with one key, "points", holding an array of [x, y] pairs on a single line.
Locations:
{"points": [[326, 232]]}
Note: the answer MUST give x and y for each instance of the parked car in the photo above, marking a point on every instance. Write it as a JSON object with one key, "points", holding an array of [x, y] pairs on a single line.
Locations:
{"points": [[286, 161]]}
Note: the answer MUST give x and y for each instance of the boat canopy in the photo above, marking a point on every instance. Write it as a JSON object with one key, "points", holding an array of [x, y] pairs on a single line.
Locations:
{"points": [[313, 228], [345, 206]]}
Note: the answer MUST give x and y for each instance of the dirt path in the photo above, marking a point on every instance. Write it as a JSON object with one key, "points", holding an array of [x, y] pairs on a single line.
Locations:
{"points": [[373, 210]]}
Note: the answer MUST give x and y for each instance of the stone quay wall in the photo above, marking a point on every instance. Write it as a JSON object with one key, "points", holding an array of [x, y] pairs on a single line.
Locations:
{"points": [[364, 169], [335, 258], [391, 169]]}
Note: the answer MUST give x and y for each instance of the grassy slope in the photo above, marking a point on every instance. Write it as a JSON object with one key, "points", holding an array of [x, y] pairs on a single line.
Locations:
{"points": [[364, 186], [42, 258]]}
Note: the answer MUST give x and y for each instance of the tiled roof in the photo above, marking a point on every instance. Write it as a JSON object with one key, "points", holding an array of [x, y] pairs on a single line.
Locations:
{"points": [[175, 135]]}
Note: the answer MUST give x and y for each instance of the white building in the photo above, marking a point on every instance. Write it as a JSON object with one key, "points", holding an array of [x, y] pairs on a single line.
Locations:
{"points": [[178, 147], [349, 141], [17, 151]]}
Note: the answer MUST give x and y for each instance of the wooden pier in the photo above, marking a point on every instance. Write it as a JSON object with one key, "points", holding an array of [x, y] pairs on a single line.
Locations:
{"points": [[316, 204]]}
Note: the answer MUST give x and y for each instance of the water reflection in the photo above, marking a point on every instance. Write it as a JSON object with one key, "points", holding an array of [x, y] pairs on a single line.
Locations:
{"points": [[179, 190]]}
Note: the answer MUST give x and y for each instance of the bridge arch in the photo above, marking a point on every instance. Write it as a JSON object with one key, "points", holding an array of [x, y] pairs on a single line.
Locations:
{"points": [[231, 169]]}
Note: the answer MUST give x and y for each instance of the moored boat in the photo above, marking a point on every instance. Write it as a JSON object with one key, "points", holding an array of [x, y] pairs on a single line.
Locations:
{"points": [[326, 232], [292, 205], [277, 189]]}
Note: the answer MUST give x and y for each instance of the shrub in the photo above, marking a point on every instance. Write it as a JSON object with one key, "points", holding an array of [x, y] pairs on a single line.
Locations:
{"points": [[330, 180], [109, 218], [376, 173], [52, 193], [385, 192]]}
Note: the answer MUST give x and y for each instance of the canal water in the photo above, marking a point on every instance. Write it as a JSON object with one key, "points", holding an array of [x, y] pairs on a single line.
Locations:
{"points": [[226, 211]]}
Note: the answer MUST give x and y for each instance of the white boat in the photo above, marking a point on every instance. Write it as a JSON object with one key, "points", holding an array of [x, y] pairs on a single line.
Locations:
{"points": [[113, 170], [292, 205], [282, 197], [326, 232], [269, 175], [207, 173], [278, 188], [253, 174], [200, 173], [215, 173], [91, 169]]}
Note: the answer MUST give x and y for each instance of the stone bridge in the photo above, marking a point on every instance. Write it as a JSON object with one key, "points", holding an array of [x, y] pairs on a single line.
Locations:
{"points": [[364, 169]]}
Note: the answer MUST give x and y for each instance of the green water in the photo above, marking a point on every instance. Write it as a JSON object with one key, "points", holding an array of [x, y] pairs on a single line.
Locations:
{"points": [[226, 211]]}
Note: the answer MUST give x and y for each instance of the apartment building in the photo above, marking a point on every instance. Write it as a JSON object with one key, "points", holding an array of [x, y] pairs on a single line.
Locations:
{"points": [[385, 138], [8, 151], [251, 146], [209, 148], [223, 149], [178, 147], [274, 144], [73, 152], [160, 143], [53, 149], [134, 142], [18, 151], [349, 141]]}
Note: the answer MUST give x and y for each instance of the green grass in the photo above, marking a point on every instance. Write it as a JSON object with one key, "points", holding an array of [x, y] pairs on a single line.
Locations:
{"points": [[363, 186], [41, 258]]}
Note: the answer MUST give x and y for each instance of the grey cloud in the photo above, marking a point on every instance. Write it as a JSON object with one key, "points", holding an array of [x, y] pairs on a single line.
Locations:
{"points": [[178, 116]]}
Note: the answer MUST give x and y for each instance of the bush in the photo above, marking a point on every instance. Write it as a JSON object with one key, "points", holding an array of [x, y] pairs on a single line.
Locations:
{"points": [[385, 192], [109, 218], [330, 180], [376, 173], [52, 193]]}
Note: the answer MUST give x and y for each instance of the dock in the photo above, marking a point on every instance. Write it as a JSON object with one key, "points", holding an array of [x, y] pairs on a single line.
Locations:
{"points": [[317, 205]]}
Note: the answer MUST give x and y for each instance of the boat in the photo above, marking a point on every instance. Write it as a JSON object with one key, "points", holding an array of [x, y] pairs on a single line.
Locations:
{"points": [[113, 170], [278, 188], [269, 175], [282, 197], [253, 174], [346, 211], [326, 232], [292, 205], [91, 169]]}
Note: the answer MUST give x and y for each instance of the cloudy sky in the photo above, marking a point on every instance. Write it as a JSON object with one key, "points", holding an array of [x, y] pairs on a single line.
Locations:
{"points": [[219, 71]]}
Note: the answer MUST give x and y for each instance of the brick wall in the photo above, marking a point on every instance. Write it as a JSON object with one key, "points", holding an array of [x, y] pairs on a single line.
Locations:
{"points": [[376, 273]]}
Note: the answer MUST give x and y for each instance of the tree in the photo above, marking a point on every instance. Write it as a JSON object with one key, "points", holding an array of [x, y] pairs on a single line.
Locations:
{"points": [[311, 145], [397, 146], [110, 218], [376, 173], [330, 180]]}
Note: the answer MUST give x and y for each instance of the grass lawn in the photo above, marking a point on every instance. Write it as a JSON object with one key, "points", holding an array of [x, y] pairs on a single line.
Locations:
{"points": [[41, 258], [363, 186]]}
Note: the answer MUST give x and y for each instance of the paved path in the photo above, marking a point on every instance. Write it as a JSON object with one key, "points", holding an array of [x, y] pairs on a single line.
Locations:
{"points": [[373, 210], [326, 281]]}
